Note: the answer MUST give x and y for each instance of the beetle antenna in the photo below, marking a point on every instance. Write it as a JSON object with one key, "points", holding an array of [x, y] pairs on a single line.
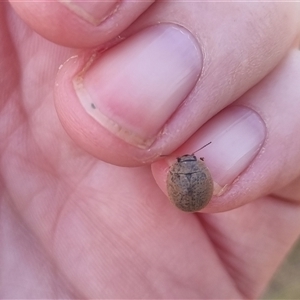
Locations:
{"points": [[201, 148]]}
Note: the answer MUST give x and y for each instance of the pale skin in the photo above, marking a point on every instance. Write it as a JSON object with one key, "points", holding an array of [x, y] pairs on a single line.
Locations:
{"points": [[73, 224]]}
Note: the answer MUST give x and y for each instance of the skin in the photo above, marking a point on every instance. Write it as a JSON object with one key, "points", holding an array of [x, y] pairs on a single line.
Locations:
{"points": [[73, 225]]}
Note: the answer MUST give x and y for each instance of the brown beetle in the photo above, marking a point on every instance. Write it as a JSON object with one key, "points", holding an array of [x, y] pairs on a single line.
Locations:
{"points": [[189, 183]]}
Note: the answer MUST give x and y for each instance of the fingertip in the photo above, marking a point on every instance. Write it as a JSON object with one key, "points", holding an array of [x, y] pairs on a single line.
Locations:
{"points": [[79, 24], [102, 97], [236, 135], [82, 129]]}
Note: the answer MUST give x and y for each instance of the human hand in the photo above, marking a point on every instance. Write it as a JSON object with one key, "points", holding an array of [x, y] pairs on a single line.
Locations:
{"points": [[76, 225]]}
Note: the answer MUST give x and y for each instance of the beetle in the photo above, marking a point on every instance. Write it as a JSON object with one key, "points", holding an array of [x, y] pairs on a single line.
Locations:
{"points": [[189, 183]]}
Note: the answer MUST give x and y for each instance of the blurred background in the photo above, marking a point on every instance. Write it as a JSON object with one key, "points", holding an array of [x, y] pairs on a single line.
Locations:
{"points": [[286, 282]]}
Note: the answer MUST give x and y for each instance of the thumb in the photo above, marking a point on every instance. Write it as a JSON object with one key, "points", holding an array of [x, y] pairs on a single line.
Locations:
{"points": [[159, 67], [152, 91]]}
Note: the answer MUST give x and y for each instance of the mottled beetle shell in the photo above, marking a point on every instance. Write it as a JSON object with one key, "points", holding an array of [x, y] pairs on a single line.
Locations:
{"points": [[189, 183]]}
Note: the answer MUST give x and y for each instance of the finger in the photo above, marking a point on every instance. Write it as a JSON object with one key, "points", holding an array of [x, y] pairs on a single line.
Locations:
{"points": [[290, 192], [150, 93], [255, 145], [252, 240], [79, 24]]}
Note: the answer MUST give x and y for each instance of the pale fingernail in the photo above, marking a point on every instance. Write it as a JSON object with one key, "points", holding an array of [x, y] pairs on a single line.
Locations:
{"points": [[134, 87], [94, 12], [237, 134]]}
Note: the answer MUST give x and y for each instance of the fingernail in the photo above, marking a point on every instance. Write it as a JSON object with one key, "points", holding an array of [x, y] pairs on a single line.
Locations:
{"points": [[94, 12], [237, 135], [134, 87]]}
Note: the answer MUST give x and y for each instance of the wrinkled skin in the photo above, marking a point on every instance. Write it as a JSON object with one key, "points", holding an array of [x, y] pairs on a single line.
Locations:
{"points": [[72, 226]]}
